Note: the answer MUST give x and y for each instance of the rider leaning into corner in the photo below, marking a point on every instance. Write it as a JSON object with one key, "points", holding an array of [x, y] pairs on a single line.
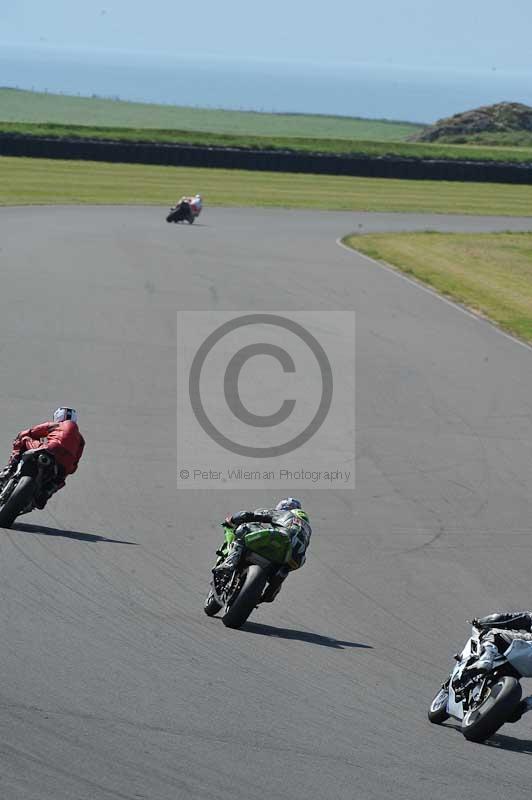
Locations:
{"points": [[194, 203], [499, 630], [61, 437], [287, 515]]}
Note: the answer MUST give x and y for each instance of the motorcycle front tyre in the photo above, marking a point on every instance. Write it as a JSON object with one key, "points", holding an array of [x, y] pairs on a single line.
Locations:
{"points": [[211, 606], [438, 708], [20, 498]]}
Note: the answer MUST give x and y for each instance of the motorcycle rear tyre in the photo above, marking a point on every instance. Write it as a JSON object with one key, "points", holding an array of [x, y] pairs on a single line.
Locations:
{"points": [[483, 721], [247, 598]]}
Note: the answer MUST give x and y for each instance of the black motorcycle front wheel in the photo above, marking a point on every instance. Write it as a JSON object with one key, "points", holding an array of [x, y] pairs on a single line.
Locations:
{"points": [[484, 720], [211, 606], [247, 598], [438, 708], [19, 499]]}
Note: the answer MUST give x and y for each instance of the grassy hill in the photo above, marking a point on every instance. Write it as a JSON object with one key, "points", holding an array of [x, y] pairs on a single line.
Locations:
{"points": [[501, 124], [22, 106], [38, 114]]}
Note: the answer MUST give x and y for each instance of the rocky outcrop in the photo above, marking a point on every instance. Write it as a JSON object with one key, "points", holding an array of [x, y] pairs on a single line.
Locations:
{"points": [[498, 118]]}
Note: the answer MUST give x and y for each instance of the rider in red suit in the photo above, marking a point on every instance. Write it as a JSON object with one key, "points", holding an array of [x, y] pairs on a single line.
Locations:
{"points": [[61, 437]]}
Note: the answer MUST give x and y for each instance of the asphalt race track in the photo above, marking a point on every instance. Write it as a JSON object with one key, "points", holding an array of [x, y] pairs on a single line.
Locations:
{"points": [[113, 683]]}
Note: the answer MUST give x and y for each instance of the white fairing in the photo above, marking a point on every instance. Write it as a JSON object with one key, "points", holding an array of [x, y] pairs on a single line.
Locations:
{"points": [[454, 706], [519, 654]]}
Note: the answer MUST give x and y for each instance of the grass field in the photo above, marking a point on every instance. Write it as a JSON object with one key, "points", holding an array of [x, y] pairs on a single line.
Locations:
{"points": [[403, 149], [22, 106], [38, 114], [41, 181], [490, 273]]}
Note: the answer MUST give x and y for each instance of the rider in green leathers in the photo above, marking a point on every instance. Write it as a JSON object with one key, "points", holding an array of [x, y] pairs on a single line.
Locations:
{"points": [[287, 515]]}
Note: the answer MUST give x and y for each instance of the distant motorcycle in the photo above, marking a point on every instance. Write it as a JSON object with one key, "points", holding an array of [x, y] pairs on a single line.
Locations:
{"points": [[483, 701], [35, 475], [181, 213], [264, 552]]}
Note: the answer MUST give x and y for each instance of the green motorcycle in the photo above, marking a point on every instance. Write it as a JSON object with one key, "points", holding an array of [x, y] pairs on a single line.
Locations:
{"points": [[265, 551]]}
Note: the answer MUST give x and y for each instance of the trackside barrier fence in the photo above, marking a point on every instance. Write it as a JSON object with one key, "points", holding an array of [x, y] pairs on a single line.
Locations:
{"points": [[264, 160]]}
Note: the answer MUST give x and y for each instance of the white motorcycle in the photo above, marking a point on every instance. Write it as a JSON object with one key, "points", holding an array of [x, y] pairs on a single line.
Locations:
{"points": [[484, 701]]}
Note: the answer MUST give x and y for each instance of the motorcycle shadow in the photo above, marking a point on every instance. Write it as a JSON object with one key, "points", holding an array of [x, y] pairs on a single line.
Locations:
{"points": [[184, 223], [499, 740], [302, 636], [23, 527], [512, 743]]}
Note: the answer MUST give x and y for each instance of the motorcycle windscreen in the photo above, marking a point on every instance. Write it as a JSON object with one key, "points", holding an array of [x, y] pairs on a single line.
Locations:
{"points": [[269, 543], [519, 654]]}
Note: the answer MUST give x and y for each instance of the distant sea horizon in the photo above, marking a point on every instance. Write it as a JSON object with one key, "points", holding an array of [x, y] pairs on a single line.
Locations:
{"points": [[352, 90]]}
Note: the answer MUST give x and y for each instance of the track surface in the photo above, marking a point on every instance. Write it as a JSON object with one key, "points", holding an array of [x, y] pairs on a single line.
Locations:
{"points": [[113, 684]]}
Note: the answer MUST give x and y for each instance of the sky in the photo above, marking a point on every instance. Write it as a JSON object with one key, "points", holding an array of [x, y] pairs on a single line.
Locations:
{"points": [[455, 34]]}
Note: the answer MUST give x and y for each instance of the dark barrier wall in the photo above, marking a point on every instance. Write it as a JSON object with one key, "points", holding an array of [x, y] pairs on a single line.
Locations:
{"points": [[266, 160]]}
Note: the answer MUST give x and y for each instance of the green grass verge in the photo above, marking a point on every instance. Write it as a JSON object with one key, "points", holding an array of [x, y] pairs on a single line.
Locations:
{"points": [[490, 273], [338, 146], [43, 181], [23, 106]]}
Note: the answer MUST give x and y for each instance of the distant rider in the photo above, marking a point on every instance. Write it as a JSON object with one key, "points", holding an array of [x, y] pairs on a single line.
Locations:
{"points": [[61, 437], [499, 631], [287, 515], [195, 204]]}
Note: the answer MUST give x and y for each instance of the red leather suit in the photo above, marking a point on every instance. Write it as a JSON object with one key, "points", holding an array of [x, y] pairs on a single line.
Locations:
{"points": [[63, 439]]}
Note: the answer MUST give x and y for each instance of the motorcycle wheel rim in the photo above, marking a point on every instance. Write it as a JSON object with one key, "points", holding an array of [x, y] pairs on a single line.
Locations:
{"points": [[440, 701]]}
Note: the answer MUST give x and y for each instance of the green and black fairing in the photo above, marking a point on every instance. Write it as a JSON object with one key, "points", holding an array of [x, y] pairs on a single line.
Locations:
{"points": [[271, 543]]}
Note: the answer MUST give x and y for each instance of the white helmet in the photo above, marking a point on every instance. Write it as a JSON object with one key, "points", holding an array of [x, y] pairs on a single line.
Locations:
{"points": [[198, 197], [63, 414]]}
